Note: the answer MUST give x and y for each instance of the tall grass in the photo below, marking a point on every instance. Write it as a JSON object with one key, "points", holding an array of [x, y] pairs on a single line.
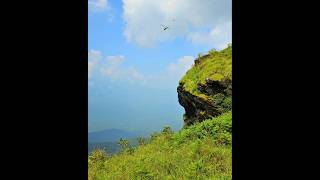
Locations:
{"points": [[202, 151]]}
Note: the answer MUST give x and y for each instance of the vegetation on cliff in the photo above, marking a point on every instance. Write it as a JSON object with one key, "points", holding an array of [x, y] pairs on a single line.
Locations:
{"points": [[206, 89], [216, 66]]}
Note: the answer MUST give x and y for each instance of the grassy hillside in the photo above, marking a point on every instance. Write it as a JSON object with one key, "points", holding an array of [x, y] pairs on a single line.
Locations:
{"points": [[201, 151]]}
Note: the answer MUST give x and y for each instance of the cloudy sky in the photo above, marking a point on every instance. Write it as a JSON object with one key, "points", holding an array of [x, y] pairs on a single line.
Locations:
{"points": [[134, 65]]}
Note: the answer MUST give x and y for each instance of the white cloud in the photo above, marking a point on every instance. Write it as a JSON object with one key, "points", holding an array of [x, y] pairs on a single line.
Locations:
{"points": [[218, 37], [97, 5], [170, 76], [115, 60], [144, 18], [94, 57], [181, 66], [113, 68]]}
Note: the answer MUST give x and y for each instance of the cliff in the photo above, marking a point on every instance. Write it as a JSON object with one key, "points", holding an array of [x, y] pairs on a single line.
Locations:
{"points": [[206, 89]]}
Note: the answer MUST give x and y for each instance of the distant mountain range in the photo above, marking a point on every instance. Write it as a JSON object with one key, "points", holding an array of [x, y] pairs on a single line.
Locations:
{"points": [[108, 139], [110, 147]]}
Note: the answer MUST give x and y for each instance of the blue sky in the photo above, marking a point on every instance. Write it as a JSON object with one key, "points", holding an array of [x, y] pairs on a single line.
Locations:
{"points": [[134, 65]]}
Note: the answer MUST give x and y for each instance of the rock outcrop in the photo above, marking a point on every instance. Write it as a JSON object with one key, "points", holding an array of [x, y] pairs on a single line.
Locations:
{"points": [[205, 91], [197, 108]]}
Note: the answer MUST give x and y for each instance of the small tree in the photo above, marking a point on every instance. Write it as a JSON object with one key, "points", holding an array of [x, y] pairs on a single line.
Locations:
{"points": [[124, 144], [141, 140], [154, 136], [96, 162], [167, 130], [97, 157]]}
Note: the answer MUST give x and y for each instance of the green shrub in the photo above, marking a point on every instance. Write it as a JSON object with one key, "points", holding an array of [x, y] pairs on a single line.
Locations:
{"points": [[167, 130], [220, 128], [141, 140], [218, 98], [227, 103], [96, 161], [125, 146]]}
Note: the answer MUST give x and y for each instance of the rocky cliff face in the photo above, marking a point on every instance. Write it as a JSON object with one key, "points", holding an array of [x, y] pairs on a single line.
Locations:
{"points": [[197, 108], [205, 91]]}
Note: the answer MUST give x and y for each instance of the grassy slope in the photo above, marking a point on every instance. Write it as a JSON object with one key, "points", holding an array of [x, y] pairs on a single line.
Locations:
{"points": [[201, 151]]}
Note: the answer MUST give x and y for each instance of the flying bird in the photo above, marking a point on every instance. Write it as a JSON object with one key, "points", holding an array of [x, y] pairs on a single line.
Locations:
{"points": [[164, 27], [167, 27]]}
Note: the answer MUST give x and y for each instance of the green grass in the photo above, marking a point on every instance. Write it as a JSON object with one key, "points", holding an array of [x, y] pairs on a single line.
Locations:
{"points": [[201, 151], [216, 66]]}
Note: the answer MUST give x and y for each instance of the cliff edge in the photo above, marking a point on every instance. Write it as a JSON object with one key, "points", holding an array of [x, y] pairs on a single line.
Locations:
{"points": [[206, 89]]}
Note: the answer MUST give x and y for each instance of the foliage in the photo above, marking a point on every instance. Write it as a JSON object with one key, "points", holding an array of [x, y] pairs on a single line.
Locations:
{"points": [[217, 65], [219, 128], [201, 151], [167, 130], [227, 103], [112, 147], [96, 162], [125, 146], [222, 102], [141, 140]]}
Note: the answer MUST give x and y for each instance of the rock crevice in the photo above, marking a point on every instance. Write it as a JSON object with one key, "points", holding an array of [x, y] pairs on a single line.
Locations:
{"points": [[198, 109]]}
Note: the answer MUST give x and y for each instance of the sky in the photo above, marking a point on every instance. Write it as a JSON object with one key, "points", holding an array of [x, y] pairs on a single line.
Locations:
{"points": [[134, 66]]}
